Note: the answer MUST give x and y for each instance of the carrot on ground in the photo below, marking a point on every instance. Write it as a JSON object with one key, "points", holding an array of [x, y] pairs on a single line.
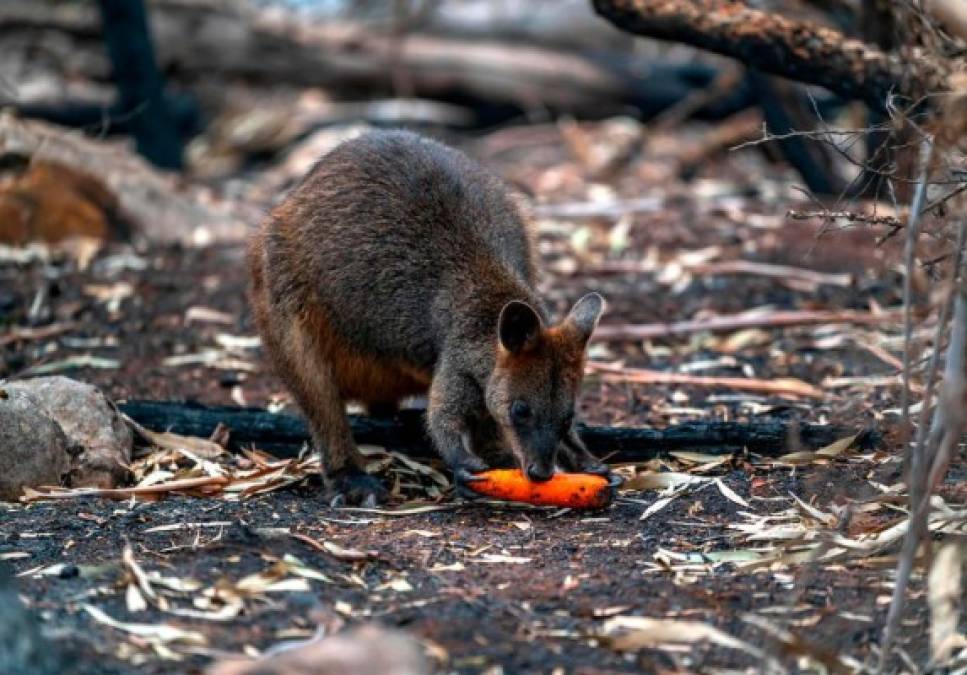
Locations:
{"points": [[572, 490]]}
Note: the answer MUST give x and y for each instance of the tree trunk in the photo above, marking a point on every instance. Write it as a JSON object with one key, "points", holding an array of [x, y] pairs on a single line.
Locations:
{"points": [[140, 86]]}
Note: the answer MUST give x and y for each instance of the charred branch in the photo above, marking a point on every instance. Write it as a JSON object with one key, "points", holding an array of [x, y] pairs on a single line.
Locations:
{"points": [[775, 44], [285, 434]]}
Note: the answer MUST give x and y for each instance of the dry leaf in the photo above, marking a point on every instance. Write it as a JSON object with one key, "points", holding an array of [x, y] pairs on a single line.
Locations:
{"points": [[837, 448], [201, 447], [730, 494], [656, 507], [834, 449], [626, 633], [162, 633]]}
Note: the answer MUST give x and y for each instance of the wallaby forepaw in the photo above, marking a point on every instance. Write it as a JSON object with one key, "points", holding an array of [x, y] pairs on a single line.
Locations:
{"points": [[465, 474], [354, 487], [590, 464], [594, 466], [599, 468]]}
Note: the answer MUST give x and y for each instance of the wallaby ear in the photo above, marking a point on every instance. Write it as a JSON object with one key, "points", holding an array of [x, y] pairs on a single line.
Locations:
{"points": [[519, 327], [584, 316]]}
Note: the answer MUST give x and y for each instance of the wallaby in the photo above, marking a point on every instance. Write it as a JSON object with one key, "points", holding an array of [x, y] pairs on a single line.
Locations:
{"points": [[400, 266]]}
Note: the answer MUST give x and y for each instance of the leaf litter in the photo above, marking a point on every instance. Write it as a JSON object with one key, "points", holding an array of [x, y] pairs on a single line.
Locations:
{"points": [[765, 551], [798, 533]]}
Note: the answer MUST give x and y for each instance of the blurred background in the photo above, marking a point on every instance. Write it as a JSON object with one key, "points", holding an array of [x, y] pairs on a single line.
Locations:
{"points": [[222, 87]]}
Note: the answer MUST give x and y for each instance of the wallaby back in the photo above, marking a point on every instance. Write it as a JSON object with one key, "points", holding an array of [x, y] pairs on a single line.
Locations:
{"points": [[397, 238]]}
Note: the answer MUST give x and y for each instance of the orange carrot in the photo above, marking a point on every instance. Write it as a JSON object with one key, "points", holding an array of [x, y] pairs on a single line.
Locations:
{"points": [[572, 490]]}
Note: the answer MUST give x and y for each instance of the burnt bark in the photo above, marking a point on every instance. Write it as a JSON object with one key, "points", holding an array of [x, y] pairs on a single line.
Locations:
{"points": [[785, 112], [284, 434], [141, 100], [778, 45]]}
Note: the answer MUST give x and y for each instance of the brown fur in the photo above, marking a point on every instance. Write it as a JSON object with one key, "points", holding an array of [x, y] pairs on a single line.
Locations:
{"points": [[385, 273]]}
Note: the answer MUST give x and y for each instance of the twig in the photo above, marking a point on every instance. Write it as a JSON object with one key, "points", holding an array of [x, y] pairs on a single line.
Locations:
{"points": [[926, 152], [851, 216], [31, 495], [827, 136], [779, 319], [954, 393], [41, 333], [931, 455], [880, 353], [943, 199], [337, 552], [815, 133], [779, 386], [932, 368]]}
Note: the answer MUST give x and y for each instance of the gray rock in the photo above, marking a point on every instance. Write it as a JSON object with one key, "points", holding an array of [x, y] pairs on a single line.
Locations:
{"points": [[101, 441], [33, 448]]}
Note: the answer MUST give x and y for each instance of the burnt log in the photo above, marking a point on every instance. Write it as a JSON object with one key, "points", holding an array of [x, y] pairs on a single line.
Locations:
{"points": [[285, 434], [775, 44]]}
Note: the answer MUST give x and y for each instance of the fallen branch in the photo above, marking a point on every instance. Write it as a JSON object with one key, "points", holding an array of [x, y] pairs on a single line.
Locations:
{"points": [[778, 386], [750, 267], [284, 434], [780, 319], [786, 272], [770, 42], [612, 209]]}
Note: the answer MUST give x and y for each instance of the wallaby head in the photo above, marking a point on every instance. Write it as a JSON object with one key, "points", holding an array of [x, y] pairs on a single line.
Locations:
{"points": [[535, 380]]}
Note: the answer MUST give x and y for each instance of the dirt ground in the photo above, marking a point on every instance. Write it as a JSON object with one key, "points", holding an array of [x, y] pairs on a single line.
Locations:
{"points": [[498, 588]]}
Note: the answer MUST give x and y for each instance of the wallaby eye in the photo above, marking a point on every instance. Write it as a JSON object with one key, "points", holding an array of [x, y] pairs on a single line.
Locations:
{"points": [[520, 411]]}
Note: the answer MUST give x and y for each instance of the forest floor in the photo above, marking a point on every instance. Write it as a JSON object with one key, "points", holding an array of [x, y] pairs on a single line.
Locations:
{"points": [[794, 558]]}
